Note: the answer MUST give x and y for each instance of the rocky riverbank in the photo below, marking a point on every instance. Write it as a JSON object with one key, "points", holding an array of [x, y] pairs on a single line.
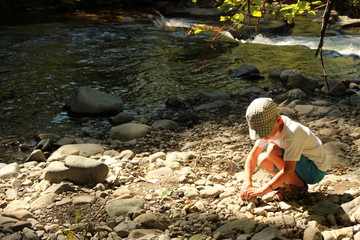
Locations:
{"points": [[178, 176]]}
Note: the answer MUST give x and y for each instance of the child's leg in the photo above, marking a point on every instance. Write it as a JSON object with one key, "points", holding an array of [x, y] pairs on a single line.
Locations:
{"points": [[274, 157]]}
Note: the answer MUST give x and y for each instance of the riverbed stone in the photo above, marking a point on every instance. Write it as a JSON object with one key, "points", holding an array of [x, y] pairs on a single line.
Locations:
{"points": [[124, 228], [335, 154], [337, 89], [123, 117], [86, 100], [211, 105], [342, 233], [253, 91], [268, 233], [355, 99], [60, 188], [274, 75], [20, 214], [159, 173], [312, 111], [129, 131], [312, 233], [189, 191], [174, 102], [213, 96], [210, 191], [122, 191], [84, 150], [245, 71], [37, 155], [29, 234], [139, 233], [153, 221], [244, 225], [86, 199], [120, 207], [76, 169], [283, 220], [293, 78], [165, 124], [17, 204], [11, 194], [291, 95], [43, 201], [9, 171], [327, 208], [351, 207]]}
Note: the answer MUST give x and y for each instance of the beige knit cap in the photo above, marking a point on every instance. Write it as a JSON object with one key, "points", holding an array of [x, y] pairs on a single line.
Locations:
{"points": [[261, 115]]}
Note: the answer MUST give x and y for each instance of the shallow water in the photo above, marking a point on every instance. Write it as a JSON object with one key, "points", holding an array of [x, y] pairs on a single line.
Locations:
{"points": [[43, 60]]}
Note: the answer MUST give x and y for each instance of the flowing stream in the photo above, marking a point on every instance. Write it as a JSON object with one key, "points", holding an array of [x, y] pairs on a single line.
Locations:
{"points": [[138, 59]]}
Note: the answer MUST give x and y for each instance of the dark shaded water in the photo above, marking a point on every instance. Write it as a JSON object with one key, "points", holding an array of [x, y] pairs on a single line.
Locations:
{"points": [[43, 60]]}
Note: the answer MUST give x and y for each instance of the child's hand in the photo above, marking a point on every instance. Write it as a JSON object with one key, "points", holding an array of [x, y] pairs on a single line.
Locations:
{"points": [[253, 192], [245, 188]]}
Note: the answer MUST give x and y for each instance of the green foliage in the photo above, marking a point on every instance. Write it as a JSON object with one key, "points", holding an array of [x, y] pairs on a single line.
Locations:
{"points": [[240, 11], [72, 230], [166, 192], [293, 10]]}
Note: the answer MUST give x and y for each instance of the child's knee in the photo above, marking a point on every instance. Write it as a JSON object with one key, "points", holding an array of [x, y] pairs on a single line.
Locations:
{"points": [[263, 160]]}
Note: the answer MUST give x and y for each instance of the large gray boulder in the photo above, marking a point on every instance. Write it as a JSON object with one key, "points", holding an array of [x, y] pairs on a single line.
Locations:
{"points": [[77, 169], [246, 71], [293, 78], [84, 150], [337, 89], [86, 100], [129, 131], [274, 75]]}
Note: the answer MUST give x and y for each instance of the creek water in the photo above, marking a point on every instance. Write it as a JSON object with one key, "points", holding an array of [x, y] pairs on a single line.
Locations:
{"points": [[142, 61]]}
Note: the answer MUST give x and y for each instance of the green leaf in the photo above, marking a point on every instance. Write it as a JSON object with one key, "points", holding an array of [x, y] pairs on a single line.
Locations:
{"points": [[225, 7], [167, 192], [237, 17], [194, 1], [196, 237], [224, 18], [289, 17], [239, 25], [255, 12], [291, 6], [312, 12], [302, 4], [258, 2], [77, 216], [316, 3]]}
